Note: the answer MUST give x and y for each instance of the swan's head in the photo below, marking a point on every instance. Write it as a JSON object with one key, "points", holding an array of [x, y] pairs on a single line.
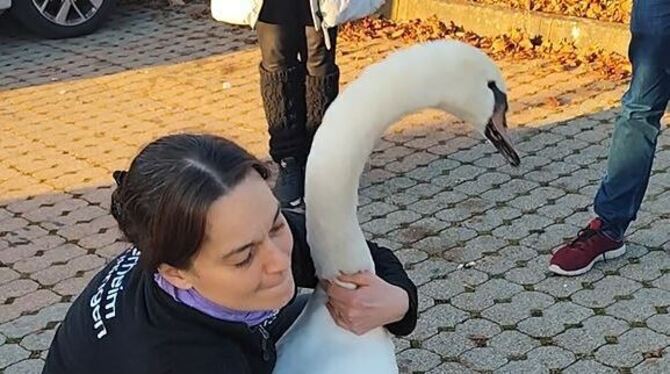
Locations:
{"points": [[495, 129], [474, 90]]}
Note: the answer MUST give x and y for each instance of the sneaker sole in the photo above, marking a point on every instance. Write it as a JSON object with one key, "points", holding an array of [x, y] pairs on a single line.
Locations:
{"points": [[605, 256]]}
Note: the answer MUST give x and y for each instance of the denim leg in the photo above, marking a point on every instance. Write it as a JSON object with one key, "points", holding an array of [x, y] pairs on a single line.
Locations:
{"points": [[636, 130]]}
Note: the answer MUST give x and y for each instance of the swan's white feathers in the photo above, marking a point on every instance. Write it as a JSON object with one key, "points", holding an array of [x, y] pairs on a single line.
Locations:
{"points": [[448, 75]]}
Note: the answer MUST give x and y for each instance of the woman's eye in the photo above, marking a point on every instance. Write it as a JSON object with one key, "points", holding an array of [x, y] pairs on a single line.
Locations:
{"points": [[276, 229], [247, 261]]}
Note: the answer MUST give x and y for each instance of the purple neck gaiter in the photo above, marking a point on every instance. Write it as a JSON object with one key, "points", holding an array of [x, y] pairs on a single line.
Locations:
{"points": [[192, 298]]}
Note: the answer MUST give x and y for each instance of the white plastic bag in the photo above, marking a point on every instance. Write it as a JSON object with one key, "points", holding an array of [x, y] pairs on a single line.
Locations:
{"points": [[237, 12], [337, 12]]}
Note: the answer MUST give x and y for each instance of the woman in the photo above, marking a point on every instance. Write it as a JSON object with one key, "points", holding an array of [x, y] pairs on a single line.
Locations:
{"points": [[298, 75], [209, 284]]}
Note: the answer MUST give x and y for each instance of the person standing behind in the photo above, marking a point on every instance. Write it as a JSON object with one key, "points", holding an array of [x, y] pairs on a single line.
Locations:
{"points": [[633, 144], [299, 77]]}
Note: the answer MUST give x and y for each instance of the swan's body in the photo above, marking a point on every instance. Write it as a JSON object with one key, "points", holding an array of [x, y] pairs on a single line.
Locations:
{"points": [[448, 75]]}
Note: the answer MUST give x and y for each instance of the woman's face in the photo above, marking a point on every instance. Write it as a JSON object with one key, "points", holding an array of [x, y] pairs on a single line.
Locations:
{"points": [[245, 260]]}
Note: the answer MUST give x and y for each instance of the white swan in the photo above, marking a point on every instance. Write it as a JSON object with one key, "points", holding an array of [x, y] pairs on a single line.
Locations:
{"points": [[448, 75]]}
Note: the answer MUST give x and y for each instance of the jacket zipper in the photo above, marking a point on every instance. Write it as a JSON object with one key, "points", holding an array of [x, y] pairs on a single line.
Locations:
{"points": [[264, 343]]}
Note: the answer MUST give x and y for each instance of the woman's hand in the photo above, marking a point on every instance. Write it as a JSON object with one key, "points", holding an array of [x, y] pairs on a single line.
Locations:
{"points": [[372, 304]]}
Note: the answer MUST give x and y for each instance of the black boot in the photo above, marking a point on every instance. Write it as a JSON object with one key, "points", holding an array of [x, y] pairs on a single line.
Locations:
{"points": [[290, 185], [320, 92], [283, 94]]}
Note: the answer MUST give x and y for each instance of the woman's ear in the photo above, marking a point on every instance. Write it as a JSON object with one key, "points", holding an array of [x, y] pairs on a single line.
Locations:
{"points": [[177, 277]]}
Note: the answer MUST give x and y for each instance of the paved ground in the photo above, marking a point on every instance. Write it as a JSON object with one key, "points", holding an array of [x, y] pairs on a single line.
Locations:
{"points": [[73, 111]]}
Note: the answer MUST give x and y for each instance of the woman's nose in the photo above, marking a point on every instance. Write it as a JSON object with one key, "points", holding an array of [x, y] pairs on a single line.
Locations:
{"points": [[276, 259]]}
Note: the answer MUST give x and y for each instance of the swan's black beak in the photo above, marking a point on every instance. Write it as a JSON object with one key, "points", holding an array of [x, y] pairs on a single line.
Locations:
{"points": [[496, 129]]}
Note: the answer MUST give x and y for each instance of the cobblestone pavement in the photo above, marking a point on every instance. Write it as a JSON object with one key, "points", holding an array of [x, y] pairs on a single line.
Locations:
{"points": [[72, 111]]}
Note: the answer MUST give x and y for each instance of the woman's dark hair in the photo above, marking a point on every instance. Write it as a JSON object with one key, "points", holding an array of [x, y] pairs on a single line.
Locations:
{"points": [[161, 202]]}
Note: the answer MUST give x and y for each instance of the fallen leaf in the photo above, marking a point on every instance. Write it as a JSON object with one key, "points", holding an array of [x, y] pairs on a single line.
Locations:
{"points": [[200, 11], [479, 340], [657, 353], [552, 102], [603, 10], [516, 44]]}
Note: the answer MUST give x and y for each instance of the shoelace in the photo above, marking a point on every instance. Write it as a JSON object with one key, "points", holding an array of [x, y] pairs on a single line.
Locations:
{"points": [[582, 236]]}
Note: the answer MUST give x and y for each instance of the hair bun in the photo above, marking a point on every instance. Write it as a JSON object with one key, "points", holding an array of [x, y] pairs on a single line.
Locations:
{"points": [[119, 176], [117, 209]]}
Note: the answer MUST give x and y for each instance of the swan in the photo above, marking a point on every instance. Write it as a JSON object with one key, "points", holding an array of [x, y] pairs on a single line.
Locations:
{"points": [[448, 75]]}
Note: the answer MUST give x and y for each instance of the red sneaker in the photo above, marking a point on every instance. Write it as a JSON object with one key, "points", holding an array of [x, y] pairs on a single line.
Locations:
{"points": [[589, 247]]}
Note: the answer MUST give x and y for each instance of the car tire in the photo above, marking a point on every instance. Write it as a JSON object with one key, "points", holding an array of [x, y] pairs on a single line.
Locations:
{"points": [[28, 13]]}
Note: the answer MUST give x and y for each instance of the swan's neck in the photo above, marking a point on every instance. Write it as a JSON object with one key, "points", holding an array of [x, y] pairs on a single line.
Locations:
{"points": [[352, 125]]}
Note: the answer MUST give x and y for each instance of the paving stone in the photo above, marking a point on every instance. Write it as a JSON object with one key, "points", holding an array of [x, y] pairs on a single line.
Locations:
{"points": [[552, 357], [73, 286], [604, 291], [27, 304], [493, 218], [641, 305], [26, 367], [449, 242], [30, 248], [439, 316], [38, 341], [543, 240], [376, 209], [430, 269], [484, 182], [660, 323], [591, 334], [589, 366], [486, 294], [61, 254], [525, 366], [554, 319], [421, 229], [449, 344], [566, 286], [519, 307], [663, 282], [513, 344], [522, 227], [658, 235], [400, 344], [57, 273], [473, 249], [526, 275], [630, 347], [537, 198], [417, 360], [483, 359], [16, 288], [7, 275], [442, 289], [21, 327], [389, 222], [654, 365], [451, 368], [411, 256], [11, 353]]}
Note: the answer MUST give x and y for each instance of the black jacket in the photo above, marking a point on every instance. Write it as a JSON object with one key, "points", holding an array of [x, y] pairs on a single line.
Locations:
{"points": [[123, 323]]}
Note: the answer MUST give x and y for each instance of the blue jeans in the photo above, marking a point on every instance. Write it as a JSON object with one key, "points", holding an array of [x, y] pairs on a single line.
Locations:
{"points": [[638, 126]]}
